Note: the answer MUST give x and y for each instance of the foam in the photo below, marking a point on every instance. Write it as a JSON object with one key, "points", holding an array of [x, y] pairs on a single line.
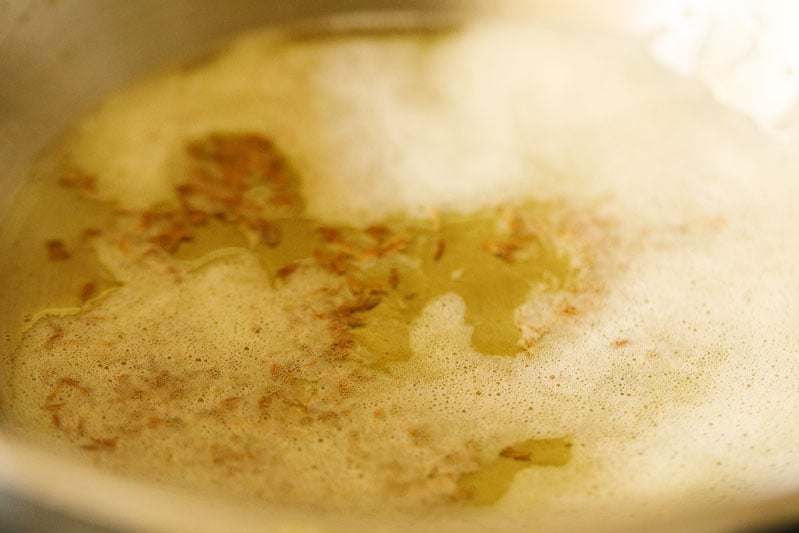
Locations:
{"points": [[677, 386], [469, 111]]}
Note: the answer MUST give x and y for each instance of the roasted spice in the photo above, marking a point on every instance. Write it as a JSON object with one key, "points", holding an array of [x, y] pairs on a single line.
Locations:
{"points": [[85, 183], [438, 250], [56, 250], [287, 270], [87, 290], [517, 455], [100, 445], [222, 172]]}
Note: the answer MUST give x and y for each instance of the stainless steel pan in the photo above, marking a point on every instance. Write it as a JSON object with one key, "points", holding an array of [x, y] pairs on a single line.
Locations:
{"points": [[57, 59]]}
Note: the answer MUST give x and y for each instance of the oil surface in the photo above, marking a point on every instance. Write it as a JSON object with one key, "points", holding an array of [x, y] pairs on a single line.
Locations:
{"points": [[238, 192], [487, 485], [509, 266]]}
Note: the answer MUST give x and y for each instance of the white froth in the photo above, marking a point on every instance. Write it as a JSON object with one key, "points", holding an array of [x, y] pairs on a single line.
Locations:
{"points": [[681, 383], [502, 108]]}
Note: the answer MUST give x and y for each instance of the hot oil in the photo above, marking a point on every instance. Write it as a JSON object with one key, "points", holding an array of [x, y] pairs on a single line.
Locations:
{"points": [[492, 481], [404, 261], [414, 407], [47, 261], [495, 259], [446, 253], [452, 253]]}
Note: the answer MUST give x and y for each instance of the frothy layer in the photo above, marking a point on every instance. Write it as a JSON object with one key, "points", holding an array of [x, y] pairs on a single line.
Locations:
{"points": [[677, 384]]}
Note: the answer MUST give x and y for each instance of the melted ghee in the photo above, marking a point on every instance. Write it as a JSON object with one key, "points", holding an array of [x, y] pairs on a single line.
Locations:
{"points": [[492, 481]]}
